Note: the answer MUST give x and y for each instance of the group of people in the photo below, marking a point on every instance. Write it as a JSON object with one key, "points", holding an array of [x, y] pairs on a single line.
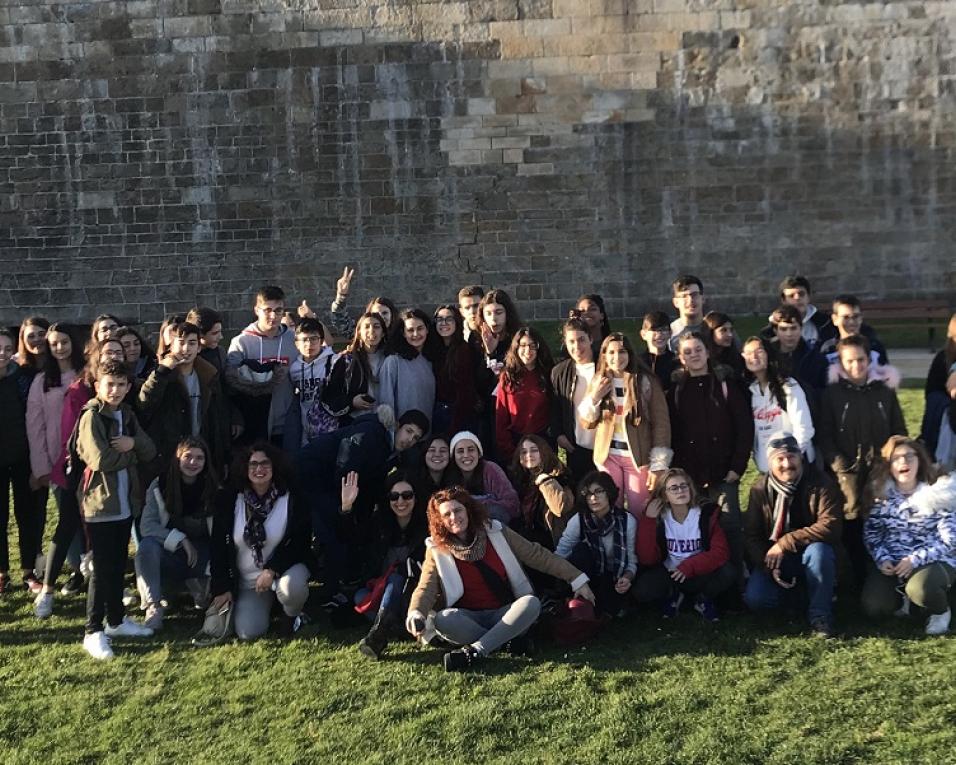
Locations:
{"points": [[450, 476]]}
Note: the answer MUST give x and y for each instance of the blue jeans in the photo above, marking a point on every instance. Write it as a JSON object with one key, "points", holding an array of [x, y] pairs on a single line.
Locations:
{"points": [[391, 597], [817, 564], [154, 564]]}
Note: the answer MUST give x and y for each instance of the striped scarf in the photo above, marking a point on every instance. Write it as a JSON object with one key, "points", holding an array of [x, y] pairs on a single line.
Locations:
{"points": [[782, 494], [594, 529]]}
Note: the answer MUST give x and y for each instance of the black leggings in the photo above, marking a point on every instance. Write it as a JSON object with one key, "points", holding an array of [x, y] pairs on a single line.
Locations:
{"points": [[17, 474], [109, 541], [67, 526]]}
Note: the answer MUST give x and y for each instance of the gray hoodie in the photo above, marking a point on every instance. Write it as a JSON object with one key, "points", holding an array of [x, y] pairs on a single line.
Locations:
{"points": [[251, 344]]}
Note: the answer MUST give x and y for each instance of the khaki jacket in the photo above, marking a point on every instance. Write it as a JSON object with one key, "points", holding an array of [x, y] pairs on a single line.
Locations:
{"points": [[97, 492]]}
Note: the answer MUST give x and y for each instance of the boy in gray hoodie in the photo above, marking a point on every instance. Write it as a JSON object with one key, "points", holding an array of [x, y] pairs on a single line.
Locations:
{"points": [[257, 367]]}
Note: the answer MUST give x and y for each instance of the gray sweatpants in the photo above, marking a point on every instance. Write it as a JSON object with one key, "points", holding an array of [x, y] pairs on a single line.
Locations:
{"points": [[488, 630], [253, 608]]}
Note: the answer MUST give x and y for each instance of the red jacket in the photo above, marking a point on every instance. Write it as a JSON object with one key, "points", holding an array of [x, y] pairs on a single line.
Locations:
{"points": [[652, 546], [520, 411]]}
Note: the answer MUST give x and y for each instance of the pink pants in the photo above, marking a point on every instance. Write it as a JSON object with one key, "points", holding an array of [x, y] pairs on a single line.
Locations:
{"points": [[630, 481]]}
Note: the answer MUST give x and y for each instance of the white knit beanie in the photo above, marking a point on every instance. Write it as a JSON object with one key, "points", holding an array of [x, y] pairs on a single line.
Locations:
{"points": [[466, 435]]}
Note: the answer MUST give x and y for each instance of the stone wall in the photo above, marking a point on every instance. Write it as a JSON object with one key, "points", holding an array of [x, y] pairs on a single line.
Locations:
{"points": [[155, 154]]}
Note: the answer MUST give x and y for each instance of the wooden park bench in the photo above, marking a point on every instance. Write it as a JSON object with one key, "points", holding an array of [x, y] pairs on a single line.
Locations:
{"points": [[908, 314]]}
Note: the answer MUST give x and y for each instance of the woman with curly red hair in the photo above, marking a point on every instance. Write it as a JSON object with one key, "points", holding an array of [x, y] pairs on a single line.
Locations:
{"points": [[473, 566]]}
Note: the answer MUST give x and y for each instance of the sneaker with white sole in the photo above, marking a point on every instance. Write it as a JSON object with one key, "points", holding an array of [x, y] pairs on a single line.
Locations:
{"points": [[938, 624], [154, 617], [128, 628], [43, 605], [97, 645]]}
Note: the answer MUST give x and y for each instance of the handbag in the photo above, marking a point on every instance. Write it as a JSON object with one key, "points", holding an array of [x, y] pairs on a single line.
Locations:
{"points": [[216, 627], [575, 622], [319, 420]]}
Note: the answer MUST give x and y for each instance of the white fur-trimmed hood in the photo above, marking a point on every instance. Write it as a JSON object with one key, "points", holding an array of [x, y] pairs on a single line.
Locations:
{"points": [[937, 496]]}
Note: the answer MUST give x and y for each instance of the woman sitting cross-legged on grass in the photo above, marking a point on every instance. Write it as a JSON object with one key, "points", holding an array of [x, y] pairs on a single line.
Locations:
{"points": [[260, 549], [911, 535], [474, 567], [399, 528], [682, 549], [600, 540], [175, 527]]}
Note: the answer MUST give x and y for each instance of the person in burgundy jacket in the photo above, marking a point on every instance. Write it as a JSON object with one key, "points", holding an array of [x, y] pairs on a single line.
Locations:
{"points": [[681, 548], [712, 433]]}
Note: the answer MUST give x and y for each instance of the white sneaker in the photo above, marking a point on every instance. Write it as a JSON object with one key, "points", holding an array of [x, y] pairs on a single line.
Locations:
{"points": [[97, 645], [938, 624], [904, 610], [43, 605], [154, 618], [128, 628]]}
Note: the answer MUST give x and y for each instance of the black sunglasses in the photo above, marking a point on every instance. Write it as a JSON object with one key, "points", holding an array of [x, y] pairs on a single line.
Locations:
{"points": [[394, 496]]}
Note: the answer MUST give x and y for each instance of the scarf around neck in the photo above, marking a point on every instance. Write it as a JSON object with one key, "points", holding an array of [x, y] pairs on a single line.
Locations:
{"points": [[782, 495], [257, 510], [594, 528], [471, 552]]}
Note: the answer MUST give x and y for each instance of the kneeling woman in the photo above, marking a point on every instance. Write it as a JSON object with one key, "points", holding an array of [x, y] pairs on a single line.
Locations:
{"points": [[175, 526], [399, 528], [683, 548], [600, 540], [260, 543], [911, 535], [474, 566]]}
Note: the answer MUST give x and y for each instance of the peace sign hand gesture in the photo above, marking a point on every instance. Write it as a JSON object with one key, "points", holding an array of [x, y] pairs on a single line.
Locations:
{"points": [[344, 282]]}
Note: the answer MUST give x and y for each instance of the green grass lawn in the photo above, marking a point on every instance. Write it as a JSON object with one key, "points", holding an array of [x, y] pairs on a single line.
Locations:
{"points": [[751, 690]]}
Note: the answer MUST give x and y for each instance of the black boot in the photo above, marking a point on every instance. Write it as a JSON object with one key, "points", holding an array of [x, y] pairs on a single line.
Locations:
{"points": [[374, 643]]}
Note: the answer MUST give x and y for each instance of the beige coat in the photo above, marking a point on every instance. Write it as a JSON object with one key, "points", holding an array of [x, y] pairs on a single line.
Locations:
{"points": [[647, 423]]}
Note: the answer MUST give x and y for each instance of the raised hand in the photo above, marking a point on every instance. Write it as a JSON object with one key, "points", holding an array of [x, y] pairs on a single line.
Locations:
{"points": [[344, 282]]}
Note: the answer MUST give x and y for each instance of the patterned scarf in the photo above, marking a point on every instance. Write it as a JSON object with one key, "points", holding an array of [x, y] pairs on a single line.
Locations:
{"points": [[782, 494], [257, 510], [471, 552], [595, 528]]}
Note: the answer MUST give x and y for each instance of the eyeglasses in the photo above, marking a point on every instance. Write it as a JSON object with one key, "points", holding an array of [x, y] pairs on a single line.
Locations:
{"points": [[904, 457], [394, 496], [532, 346], [256, 464], [444, 319], [676, 487], [597, 491]]}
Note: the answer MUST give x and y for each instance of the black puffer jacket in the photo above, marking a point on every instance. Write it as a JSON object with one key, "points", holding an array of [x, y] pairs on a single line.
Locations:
{"points": [[855, 421]]}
